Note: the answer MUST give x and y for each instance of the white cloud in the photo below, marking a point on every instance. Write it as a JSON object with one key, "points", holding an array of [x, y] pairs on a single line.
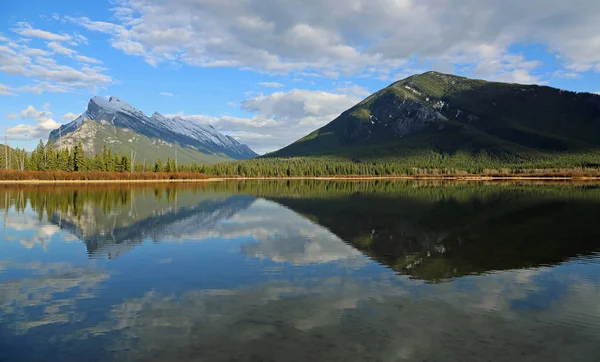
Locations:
{"points": [[520, 76], [79, 39], [271, 85], [43, 125], [34, 52], [301, 105], [41, 87], [282, 117], [84, 59], [333, 38], [5, 90], [566, 74], [27, 30], [58, 48], [122, 38], [166, 94], [69, 116], [31, 112], [43, 66]]}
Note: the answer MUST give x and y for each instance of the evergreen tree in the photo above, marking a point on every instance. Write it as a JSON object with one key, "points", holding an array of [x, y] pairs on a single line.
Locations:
{"points": [[125, 164], [110, 161], [37, 157], [63, 160], [168, 165], [79, 163], [117, 163], [158, 166], [96, 163], [71, 163], [51, 157]]}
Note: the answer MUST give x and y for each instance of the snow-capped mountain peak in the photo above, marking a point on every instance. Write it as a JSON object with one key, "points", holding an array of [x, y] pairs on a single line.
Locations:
{"points": [[113, 104], [159, 117], [115, 114]]}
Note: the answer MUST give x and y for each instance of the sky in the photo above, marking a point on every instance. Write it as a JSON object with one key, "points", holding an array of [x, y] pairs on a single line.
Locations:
{"points": [[268, 72]]}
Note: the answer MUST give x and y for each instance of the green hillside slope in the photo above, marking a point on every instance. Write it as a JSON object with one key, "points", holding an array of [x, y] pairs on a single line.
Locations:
{"points": [[440, 116]]}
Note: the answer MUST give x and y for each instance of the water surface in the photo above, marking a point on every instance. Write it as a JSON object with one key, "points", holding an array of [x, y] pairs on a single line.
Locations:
{"points": [[299, 270]]}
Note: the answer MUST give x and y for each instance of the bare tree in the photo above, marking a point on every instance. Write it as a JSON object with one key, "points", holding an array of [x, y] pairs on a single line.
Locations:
{"points": [[6, 149], [133, 154]]}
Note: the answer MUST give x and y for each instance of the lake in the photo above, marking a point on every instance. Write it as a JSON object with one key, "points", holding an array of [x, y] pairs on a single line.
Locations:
{"points": [[300, 271]]}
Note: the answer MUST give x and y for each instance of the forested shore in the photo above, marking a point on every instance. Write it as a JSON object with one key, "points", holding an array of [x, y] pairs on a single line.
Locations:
{"points": [[47, 164]]}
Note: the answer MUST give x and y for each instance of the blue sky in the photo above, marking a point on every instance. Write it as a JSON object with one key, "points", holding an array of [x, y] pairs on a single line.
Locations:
{"points": [[270, 71]]}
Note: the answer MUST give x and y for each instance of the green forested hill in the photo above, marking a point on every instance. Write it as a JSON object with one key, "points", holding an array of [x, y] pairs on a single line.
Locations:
{"points": [[446, 118]]}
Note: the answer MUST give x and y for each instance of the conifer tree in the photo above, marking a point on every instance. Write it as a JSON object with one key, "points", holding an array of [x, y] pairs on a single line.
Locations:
{"points": [[167, 165], [51, 157], [37, 157], [125, 164], [158, 166], [63, 160], [79, 163]]}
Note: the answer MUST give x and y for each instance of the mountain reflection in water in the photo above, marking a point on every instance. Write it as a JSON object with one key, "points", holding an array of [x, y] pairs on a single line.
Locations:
{"points": [[295, 270]]}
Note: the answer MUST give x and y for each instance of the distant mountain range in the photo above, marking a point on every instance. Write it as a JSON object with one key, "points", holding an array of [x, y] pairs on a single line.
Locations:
{"points": [[124, 129], [431, 116], [441, 114]]}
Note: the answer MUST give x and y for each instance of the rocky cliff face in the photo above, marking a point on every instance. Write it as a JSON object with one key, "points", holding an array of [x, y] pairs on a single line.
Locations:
{"points": [[389, 116]]}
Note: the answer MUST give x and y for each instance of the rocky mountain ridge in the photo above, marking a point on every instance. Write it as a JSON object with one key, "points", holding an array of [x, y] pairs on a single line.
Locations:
{"points": [[122, 127]]}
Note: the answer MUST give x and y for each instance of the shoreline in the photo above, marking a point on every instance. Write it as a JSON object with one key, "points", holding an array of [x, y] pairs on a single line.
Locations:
{"points": [[322, 178]]}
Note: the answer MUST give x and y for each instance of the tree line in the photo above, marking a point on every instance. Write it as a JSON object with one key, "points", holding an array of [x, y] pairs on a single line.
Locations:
{"points": [[46, 157]]}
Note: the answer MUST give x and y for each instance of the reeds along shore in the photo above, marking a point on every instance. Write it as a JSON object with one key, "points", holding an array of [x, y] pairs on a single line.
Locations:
{"points": [[13, 176]]}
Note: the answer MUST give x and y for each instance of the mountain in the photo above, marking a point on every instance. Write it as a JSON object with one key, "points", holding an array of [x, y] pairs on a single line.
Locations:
{"points": [[124, 128], [438, 115]]}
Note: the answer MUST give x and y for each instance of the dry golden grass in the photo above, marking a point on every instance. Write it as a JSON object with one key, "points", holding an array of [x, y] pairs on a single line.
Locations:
{"points": [[29, 177]]}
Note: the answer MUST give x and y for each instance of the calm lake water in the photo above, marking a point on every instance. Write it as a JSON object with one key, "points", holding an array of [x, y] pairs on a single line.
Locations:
{"points": [[300, 271]]}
